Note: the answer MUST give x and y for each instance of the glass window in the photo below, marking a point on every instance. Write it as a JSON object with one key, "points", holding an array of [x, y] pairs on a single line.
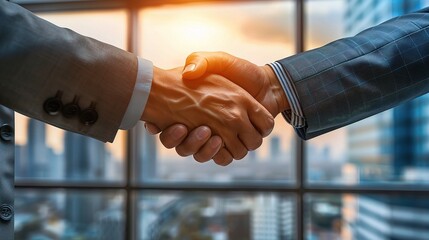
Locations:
{"points": [[261, 32], [201, 215], [169, 196], [46, 214], [351, 216], [44, 152], [390, 147], [324, 22]]}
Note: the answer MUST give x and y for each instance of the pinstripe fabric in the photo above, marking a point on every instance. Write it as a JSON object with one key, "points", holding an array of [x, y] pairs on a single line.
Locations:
{"points": [[294, 116], [354, 78]]}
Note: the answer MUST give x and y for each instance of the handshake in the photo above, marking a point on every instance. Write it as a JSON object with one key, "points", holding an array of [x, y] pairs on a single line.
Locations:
{"points": [[219, 107]]}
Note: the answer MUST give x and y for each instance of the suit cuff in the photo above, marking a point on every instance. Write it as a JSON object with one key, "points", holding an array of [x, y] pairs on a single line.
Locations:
{"points": [[140, 94], [295, 115]]}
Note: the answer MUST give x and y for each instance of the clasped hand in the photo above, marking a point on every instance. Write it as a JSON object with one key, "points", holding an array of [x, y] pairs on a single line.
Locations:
{"points": [[220, 108]]}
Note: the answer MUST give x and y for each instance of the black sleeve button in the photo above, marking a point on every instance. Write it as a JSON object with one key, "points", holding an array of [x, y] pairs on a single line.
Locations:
{"points": [[6, 132], [6, 212], [53, 105], [71, 109], [89, 116]]}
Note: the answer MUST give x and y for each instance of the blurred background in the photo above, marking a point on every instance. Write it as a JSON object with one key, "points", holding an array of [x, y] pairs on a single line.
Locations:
{"points": [[369, 180]]}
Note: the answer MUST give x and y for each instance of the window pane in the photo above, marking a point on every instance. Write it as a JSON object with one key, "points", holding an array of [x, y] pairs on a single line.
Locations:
{"points": [[350, 216], [109, 26], [197, 215], [261, 32], [44, 214], [391, 147], [45, 152]]}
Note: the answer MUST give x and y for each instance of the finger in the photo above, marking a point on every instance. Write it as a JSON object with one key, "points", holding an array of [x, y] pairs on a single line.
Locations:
{"points": [[258, 117], [223, 157], [249, 136], [195, 68], [261, 119], [251, 139], [173, 135], [151, 128], [237, 149], [195, 140], [199, 63], [209, 150]]}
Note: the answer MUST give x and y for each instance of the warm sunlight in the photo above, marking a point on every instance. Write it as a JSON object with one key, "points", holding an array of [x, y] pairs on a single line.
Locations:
{"points": [[169, 34], [192, 31]]}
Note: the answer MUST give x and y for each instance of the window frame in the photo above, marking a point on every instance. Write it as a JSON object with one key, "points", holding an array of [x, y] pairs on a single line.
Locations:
{"points": [[299, 189]]}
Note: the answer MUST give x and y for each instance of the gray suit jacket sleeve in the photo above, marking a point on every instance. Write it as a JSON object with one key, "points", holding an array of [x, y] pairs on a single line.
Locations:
{"points": [[353, 78], [39, 59]]}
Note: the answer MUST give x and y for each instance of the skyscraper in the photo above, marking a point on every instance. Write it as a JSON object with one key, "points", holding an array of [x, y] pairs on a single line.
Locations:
{"points": [[391, 217], [389, 146], [389, 143], [272, 217], [85, 157], [37, 159], [85, 160], [275, 148], [146, 167]]}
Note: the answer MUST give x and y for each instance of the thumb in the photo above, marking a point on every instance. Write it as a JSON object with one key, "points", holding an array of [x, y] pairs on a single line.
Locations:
{"points": [[242, 72], [200, 63], [195, 67]]}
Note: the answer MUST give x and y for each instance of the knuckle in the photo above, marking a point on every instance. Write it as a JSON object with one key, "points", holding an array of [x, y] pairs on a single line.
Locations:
{"points": [[182, 152], [200, 158], [241, 155], [270, 120], [257, 110], [222, 53], [235, 119], [192, 55], [167, 143], [256, 143], [222, 159], [239, 152], [224, 162], [269, 126]]}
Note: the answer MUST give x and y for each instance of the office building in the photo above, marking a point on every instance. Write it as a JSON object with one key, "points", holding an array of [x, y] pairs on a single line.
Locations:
{"points": [[391, 146]]}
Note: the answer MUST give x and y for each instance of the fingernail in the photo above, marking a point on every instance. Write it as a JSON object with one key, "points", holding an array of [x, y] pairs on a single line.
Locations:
{"points": [[202, 133], [189, 68]]}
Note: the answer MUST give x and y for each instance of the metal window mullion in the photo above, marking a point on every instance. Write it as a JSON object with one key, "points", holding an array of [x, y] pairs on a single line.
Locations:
{"points": [[415, 190], [300, 159], [58, 6], [132, 46]]}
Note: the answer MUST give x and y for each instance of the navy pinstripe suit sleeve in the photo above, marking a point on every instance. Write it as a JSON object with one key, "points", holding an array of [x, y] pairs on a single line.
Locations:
{"points": [[354, 78]]}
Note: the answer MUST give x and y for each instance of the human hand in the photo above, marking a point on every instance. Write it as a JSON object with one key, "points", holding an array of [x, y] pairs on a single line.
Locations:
{"points": [[231, 113], [200, 143], [260, 82]]}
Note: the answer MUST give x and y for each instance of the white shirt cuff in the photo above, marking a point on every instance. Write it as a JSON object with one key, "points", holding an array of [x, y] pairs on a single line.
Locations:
{"points": [[140, 94], [295, 115]]}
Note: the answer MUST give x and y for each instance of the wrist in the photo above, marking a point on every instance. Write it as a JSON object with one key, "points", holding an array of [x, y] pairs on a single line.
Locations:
{"points": [[156, 106], [277, 90]]}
